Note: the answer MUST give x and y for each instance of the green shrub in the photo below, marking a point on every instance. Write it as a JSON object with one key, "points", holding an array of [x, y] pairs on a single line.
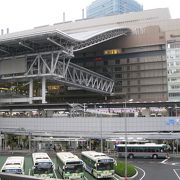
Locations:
{"points": [[120, 169]]}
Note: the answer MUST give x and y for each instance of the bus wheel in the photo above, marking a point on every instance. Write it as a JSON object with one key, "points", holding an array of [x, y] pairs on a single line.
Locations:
{"points": [[63, 176], [131, 156], [154, 156], [92, 172]]}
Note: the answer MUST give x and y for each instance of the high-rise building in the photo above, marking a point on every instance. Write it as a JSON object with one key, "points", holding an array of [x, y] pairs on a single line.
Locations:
{"points": [[173, 65], [100, 8]]}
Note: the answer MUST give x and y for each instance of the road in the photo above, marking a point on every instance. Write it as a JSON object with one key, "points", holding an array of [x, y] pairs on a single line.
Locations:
{"points": [[29, 164], [150, 169]]}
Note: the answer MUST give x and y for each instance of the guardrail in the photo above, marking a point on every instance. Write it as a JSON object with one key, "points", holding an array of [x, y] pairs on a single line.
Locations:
{"points": [[5, 176]]}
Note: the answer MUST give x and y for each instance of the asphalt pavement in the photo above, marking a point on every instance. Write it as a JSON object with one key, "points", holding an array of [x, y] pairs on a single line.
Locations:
{"points": [[157, 169]]}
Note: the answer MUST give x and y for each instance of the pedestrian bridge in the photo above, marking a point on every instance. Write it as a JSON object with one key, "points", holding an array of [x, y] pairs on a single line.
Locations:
{"points": [[94, 127]]}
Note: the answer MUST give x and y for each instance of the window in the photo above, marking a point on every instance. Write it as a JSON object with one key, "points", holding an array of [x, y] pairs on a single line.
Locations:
{"points": [[105, 63], [118, 75], [118, 83], [118, 68], [117, 61], [112, 51]]}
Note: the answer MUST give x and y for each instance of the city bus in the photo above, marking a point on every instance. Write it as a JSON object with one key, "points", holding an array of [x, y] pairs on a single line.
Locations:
{"points": [[70, 166], [98, 164], [146, 150], [13, 165], [43, 166]]}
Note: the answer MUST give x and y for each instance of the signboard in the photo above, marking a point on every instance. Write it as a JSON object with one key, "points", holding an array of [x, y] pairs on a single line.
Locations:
{"points": [[13, 66]]}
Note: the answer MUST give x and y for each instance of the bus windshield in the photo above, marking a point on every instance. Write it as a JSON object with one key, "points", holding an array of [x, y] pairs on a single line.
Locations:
{"points": [[13, 171], [105, 166], [74, 168], [43, 167], [43, 171]]}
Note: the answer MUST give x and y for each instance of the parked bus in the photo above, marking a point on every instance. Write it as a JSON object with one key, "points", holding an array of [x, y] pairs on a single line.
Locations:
{"points": [[98, 164], [147, 150], [70, 166], [13, 165], [42, 165]]}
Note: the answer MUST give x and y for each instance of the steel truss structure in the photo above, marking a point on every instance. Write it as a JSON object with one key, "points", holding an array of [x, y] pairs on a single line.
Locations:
{"points": [[47, 56]]}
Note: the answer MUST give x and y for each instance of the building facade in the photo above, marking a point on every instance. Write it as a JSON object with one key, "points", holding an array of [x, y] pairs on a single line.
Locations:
{"points": [[100, 8], [173, 65], [144, 63]]}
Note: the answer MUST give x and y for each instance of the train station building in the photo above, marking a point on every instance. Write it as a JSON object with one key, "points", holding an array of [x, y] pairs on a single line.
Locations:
{"points": [[133, 55], [100, 60]]}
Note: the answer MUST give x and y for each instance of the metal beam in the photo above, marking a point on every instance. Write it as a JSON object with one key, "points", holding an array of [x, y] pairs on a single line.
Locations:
{"points": [[2, 50], [53, 66], [67, 51], [26, 46]]}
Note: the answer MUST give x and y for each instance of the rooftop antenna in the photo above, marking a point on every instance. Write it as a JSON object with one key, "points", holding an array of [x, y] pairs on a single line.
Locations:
{"points": [[82, 13], [64, 16], [7, 30], [2, 31]]}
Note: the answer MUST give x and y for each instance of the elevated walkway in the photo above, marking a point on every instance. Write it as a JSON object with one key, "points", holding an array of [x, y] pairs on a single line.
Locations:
{"points": [[44, 54]]}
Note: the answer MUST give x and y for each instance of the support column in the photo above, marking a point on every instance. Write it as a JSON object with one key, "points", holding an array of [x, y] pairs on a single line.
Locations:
{"points": [[44, 90], [1, 141], [29, 139], [5, 141], [90, 145], [31, 91]]}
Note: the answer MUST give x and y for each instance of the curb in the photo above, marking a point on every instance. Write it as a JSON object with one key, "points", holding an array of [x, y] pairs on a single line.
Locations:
{"points": [[120, 177]]}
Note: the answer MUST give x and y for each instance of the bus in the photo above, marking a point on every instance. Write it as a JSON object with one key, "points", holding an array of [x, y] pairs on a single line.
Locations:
{"points": [[146, 150], [43, 166], [13, 165], [98, 164], [70, 166]]}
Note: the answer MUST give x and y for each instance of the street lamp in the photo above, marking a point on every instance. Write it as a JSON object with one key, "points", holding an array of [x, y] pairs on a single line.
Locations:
{"points": [[101, 131], [125, 129]]}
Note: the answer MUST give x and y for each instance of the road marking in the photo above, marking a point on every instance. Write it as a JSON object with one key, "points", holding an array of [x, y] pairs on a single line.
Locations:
{"points": [[176, 172], [115, 178], [164, 161], [144, 173]]}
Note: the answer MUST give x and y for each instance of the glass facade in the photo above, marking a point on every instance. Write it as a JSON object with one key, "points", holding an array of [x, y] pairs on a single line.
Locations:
{"points": [[173, 66], [101, 8], [140, 75]]}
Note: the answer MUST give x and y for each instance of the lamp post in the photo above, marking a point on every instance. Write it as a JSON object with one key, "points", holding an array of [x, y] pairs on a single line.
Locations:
{"points": [[84, 109], [101, 131], [125, 129]]}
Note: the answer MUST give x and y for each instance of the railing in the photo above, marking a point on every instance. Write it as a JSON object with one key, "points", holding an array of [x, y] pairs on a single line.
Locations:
{"points": [[5, 176]]}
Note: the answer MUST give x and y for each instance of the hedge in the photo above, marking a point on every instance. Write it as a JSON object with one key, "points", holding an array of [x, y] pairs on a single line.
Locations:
{"points": [[120, 169]]}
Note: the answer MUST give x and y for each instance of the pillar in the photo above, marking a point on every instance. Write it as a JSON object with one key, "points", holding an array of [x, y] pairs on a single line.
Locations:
{"points": [[31, 91], [44, 90], [29, 138]]}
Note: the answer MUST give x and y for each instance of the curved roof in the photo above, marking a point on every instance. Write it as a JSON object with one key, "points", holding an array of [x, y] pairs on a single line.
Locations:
{"points": [[50, 38]]}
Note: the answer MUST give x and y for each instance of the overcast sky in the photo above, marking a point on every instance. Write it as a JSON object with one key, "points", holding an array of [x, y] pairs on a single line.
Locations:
{"points": [[26, 14]]}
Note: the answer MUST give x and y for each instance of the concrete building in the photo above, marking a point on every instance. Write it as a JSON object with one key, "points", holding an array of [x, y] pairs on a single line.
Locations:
{"points": [[138, 61], [99, 8], [137, 51], [173, 64]]}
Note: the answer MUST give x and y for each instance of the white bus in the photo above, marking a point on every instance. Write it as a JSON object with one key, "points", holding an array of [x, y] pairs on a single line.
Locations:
{"points": [[14, 165], [70, 166], [147, 150], [42, 165], [98, 164]]}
